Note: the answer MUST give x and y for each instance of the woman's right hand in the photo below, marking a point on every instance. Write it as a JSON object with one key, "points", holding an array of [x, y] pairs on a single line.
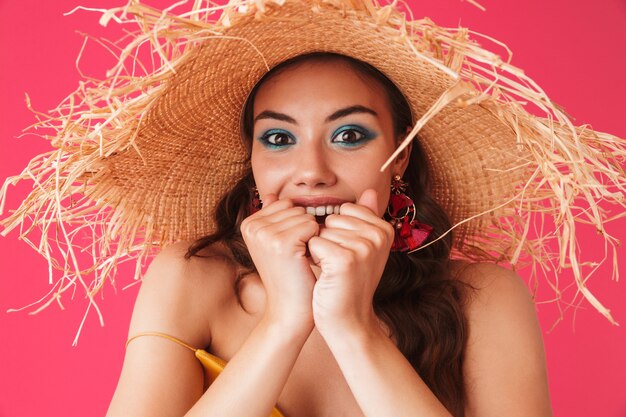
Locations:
{"points": [[276, 237]]}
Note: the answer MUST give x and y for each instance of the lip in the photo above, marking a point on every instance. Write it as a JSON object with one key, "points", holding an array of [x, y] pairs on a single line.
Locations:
{"points": [[315, 201]]}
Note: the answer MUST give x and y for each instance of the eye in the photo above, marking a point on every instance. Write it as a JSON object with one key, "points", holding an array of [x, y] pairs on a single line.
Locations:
{"points": [[349, 136], [352, 135], [277, 139]]}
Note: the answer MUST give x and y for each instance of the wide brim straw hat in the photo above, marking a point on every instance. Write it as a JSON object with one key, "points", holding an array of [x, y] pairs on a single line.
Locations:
{"points": [[142, 157]]}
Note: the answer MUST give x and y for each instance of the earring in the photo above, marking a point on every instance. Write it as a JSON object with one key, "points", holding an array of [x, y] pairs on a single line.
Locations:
{"points": [[255, 201], [409, 233]]}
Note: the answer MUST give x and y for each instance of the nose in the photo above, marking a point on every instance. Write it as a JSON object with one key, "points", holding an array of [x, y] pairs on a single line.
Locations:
{"points": [[313, 167]]}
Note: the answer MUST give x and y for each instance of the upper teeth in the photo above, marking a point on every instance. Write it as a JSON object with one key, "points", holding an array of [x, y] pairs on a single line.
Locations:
{"points": [[323, 210]]}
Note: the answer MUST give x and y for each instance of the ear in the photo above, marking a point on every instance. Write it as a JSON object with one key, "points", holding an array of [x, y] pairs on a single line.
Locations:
{"points": [[401, 162]]}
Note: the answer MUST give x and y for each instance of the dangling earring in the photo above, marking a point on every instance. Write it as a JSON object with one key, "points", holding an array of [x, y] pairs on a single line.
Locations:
{"points": [[255, 201], [410, 233]]}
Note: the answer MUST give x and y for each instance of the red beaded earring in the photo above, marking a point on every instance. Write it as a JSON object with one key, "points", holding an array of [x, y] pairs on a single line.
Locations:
{"points": [[410, 233]]}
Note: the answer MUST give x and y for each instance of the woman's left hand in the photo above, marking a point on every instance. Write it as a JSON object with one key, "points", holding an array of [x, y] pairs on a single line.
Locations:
{"points": [[351, 250]]}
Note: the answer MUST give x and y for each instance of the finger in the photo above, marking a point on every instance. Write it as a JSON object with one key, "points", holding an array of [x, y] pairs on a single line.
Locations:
{"points": [[282, 215], [299, 233], [272, 205], [379, 233], [338, 236], [269, 199], [356, 217], [362, 243], [322, 250], [369, 199], [353, 221], [357, 211], [290, 222], [281, 238], [274, 222], [366, 207]]}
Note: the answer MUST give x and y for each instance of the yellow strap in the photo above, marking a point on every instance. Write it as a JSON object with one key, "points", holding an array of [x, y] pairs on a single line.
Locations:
{"points": [[159, 334], [213, 365]]}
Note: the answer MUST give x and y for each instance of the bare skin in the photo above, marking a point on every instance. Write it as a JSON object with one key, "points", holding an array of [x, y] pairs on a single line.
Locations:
{"points": [[303, 334]]}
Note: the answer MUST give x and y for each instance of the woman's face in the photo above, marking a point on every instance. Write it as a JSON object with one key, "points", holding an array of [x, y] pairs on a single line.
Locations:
{"points": [[321, 133]]}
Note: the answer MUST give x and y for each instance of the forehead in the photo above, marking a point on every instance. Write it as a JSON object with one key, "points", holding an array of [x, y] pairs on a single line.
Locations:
{"points": [[330, 85]]}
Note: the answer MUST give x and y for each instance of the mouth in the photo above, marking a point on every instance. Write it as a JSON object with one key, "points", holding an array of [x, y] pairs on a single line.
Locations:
{"points": [[320, 212], [320, 206]]}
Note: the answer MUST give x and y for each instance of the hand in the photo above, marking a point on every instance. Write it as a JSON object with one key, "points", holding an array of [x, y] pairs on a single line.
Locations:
{"points": [[276, 237], [351, 251]]}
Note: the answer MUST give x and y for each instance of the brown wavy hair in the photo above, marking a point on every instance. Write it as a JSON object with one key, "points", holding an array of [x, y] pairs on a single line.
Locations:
{"points": [[417, 298]]}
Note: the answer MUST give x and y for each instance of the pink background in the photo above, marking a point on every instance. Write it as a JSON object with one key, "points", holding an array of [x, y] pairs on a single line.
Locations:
{"points": [[563, 45]]}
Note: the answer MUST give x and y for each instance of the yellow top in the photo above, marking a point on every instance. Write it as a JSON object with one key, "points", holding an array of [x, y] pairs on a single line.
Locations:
{"points": [[212, 365]]}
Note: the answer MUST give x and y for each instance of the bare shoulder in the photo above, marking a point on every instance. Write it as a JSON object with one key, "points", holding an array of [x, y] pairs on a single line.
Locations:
{"points": [[181, 295], [504, 367], [493, 287], [499, 305]]}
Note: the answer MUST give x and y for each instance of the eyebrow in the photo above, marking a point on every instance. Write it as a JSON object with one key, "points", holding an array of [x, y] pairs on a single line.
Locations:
{"points": [[269, 114], [350, 110]]}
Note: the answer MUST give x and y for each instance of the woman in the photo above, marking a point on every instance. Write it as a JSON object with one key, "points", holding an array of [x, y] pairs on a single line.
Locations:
{"points": [[301, 328], [323, 317]]}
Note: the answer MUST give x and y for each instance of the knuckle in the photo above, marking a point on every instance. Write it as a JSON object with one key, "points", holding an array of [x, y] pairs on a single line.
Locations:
{"points": [[348, 261], [315, 227], [388, 232], [275, 246], [379, 237], [365, 246], [244, 223], [245, 227], [345, 208], [389, 229], [264, 233]]}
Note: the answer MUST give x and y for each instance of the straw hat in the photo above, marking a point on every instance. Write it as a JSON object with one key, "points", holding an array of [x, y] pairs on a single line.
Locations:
{"points": [[142, 158]]}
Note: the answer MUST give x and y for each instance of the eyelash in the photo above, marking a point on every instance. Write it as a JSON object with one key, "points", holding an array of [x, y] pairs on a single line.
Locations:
{"points": [[365, 134], [265, 138]]}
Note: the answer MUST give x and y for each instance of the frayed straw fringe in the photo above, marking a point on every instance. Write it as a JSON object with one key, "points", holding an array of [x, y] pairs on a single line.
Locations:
{"points": [[572, 169]]}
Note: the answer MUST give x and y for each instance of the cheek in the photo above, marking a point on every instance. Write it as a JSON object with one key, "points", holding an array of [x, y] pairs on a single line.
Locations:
{"points": [[259, 168], [267, 175], [383, 197], [381, 182]]}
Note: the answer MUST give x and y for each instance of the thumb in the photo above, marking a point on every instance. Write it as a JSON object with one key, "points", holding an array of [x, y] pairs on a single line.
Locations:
{"points": [[269, 199], [369, 199]]}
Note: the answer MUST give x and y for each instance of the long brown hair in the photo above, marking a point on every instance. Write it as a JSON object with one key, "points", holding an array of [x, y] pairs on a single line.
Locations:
{"points": [[417, 298]]}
